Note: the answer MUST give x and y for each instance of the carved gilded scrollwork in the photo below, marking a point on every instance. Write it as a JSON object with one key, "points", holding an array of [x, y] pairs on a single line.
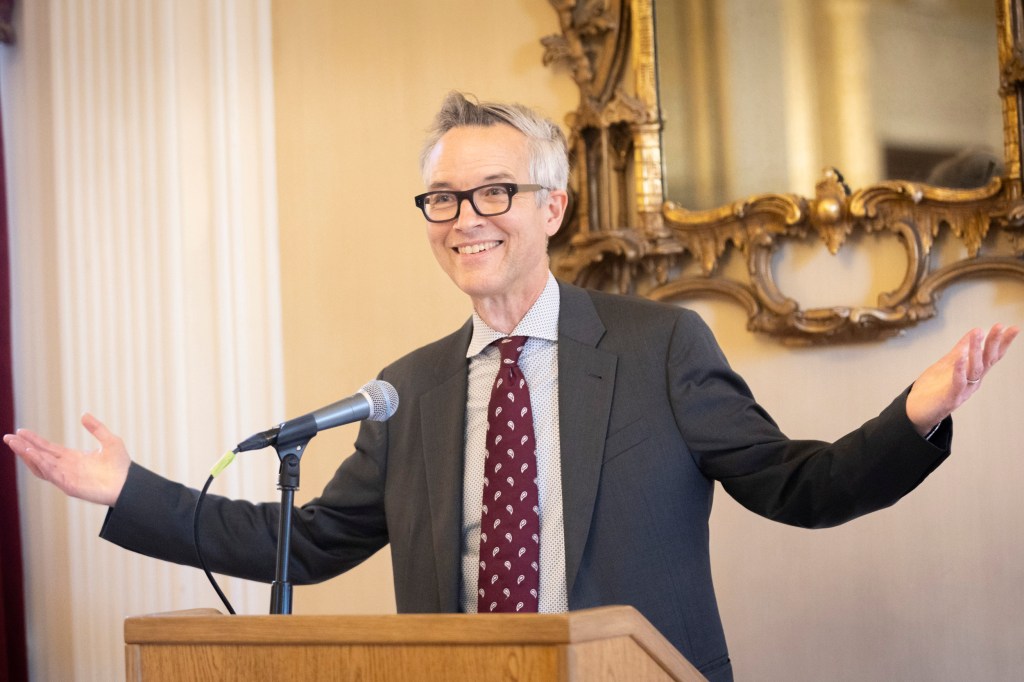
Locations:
{"points": [[624, 235]]}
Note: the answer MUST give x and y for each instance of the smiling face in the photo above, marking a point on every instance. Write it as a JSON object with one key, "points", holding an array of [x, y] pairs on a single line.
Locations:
{"points": [[500, 262]]}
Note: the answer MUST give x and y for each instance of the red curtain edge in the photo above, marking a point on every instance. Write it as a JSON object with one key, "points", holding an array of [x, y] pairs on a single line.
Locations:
{"points": [[13, 640]]}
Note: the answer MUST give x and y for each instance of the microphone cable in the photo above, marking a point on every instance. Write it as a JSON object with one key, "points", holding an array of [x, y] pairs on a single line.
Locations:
{"points": [[220, 466]]}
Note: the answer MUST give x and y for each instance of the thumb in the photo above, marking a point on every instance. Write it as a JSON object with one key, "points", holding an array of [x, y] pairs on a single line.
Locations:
{"points": [[98, 429]]}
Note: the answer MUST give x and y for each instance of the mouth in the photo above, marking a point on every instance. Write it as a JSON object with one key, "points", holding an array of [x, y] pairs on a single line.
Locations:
{"points": [[470, 249]]}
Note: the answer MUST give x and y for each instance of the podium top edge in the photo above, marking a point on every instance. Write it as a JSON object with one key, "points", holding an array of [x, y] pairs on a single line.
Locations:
{"points": [[211, 626], [206, 627]]}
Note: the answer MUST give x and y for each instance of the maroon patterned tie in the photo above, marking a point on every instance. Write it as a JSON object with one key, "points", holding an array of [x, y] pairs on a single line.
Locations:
{"points": [[509, 520]]}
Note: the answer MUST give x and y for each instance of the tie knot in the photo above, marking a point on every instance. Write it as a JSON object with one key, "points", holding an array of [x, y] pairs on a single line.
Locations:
{"points": [[511, 347]]}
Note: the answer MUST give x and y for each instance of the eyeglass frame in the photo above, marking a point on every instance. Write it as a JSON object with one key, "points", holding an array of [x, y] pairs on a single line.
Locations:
{"points": [[513, 189]]}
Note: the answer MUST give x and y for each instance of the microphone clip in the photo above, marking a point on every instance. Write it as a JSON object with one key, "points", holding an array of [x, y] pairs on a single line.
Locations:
{"points": [[292, 438]]}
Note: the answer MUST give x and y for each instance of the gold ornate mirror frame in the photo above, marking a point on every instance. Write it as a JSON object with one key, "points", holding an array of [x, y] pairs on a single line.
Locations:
{"points": [[623, 235]]}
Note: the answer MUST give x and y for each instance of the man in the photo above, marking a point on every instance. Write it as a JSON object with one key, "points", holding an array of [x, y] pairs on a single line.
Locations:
{"points": [[633, 409]]}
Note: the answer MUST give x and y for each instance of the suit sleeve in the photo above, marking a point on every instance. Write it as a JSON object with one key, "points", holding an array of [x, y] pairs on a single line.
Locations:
{"points": [[800, 482], [331, 534]]}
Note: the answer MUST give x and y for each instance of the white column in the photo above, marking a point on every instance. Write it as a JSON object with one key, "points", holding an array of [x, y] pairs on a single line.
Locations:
{"points": [[858, 153], [800, 96], [140, 165]]}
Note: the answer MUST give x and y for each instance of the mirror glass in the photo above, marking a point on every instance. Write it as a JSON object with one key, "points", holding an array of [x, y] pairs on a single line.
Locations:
{"points": [[761, 95]]}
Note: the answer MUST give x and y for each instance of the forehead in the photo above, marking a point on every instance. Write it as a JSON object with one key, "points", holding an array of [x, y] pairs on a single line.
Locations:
{"points": [[472, 155]]}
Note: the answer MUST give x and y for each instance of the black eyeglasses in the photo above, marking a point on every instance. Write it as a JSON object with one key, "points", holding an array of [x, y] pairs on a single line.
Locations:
{"points": [[487, 200]]}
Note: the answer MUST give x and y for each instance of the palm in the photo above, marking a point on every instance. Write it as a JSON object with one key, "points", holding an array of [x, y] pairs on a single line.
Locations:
{"points": [[95, 476]]}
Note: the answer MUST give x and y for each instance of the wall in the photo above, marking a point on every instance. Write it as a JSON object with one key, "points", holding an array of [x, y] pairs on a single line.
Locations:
{"points": [[927, 590]]}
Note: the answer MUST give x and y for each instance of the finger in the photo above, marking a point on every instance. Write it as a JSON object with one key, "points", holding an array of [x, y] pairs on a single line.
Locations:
{"points": [[997, 343], [34, 440], [98, 429], [1009, 335], [957, 354], [975, 367], [33, 468], [958, 358], [29, 462], [993, 345], [17, 445], [1006, 337], [38, 461]]}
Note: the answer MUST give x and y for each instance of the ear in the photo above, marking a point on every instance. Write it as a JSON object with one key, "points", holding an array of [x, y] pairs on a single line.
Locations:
{"points": [[554, 209]]}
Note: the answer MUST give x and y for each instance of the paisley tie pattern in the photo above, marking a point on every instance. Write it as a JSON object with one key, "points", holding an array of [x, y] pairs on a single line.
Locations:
{"points": [[510, 516]]}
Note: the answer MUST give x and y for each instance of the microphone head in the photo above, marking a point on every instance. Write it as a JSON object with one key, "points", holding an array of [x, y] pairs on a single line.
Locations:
{"points": [[383, 400]]}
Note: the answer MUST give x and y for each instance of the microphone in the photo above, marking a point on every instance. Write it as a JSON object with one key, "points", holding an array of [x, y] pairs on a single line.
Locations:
{"points": [[376, 401]]}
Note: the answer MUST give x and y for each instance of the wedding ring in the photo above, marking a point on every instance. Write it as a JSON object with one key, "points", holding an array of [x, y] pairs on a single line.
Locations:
{"points": [[973, 381]]}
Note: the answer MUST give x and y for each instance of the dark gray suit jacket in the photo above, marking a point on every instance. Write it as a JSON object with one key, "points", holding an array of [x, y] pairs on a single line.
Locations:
{"points": [[650, 416]]}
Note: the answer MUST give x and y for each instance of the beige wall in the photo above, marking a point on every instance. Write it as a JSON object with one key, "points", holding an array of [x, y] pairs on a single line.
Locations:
{"points": [[931, 589]]}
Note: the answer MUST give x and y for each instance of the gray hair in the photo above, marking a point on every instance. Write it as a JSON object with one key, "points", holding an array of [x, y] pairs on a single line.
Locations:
{"points": [[549, 159]]}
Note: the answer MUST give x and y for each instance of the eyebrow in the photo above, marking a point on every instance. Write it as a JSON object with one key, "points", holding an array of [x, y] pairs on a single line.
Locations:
{"points": [[488, 179]]}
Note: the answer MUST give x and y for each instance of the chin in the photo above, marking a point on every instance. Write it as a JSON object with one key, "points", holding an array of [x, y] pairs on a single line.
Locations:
{"points": [[476, 285], [474, 288]]}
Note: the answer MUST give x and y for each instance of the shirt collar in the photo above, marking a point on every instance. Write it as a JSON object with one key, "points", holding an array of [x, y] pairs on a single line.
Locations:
{"points": [[540, 321]]}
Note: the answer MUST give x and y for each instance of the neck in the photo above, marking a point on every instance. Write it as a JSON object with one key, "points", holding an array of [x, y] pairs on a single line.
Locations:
{"points": [[503, 313]]}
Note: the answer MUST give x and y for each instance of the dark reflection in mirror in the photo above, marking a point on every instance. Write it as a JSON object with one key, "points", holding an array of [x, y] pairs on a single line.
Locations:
{"points": [[973, 167]]}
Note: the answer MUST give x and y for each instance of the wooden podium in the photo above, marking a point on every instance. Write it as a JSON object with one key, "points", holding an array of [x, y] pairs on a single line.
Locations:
{"points": [[609, 643]]}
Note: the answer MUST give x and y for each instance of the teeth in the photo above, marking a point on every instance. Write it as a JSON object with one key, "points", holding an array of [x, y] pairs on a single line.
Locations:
{"points": [[476, 248]]}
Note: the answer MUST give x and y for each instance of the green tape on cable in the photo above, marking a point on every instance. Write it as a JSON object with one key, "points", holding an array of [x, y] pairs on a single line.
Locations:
{"points": [[223, 463]]}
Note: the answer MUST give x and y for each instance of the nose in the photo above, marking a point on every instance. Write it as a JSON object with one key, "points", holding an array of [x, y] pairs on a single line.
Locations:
{"points": [[468, 217]]}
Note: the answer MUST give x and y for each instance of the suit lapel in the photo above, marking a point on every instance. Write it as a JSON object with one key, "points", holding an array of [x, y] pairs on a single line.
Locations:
{"points": [[586, 378], [442, 423]]}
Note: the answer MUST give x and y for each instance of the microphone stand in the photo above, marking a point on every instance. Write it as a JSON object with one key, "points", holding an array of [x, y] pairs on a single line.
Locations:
{"points": [[292, 439]]}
